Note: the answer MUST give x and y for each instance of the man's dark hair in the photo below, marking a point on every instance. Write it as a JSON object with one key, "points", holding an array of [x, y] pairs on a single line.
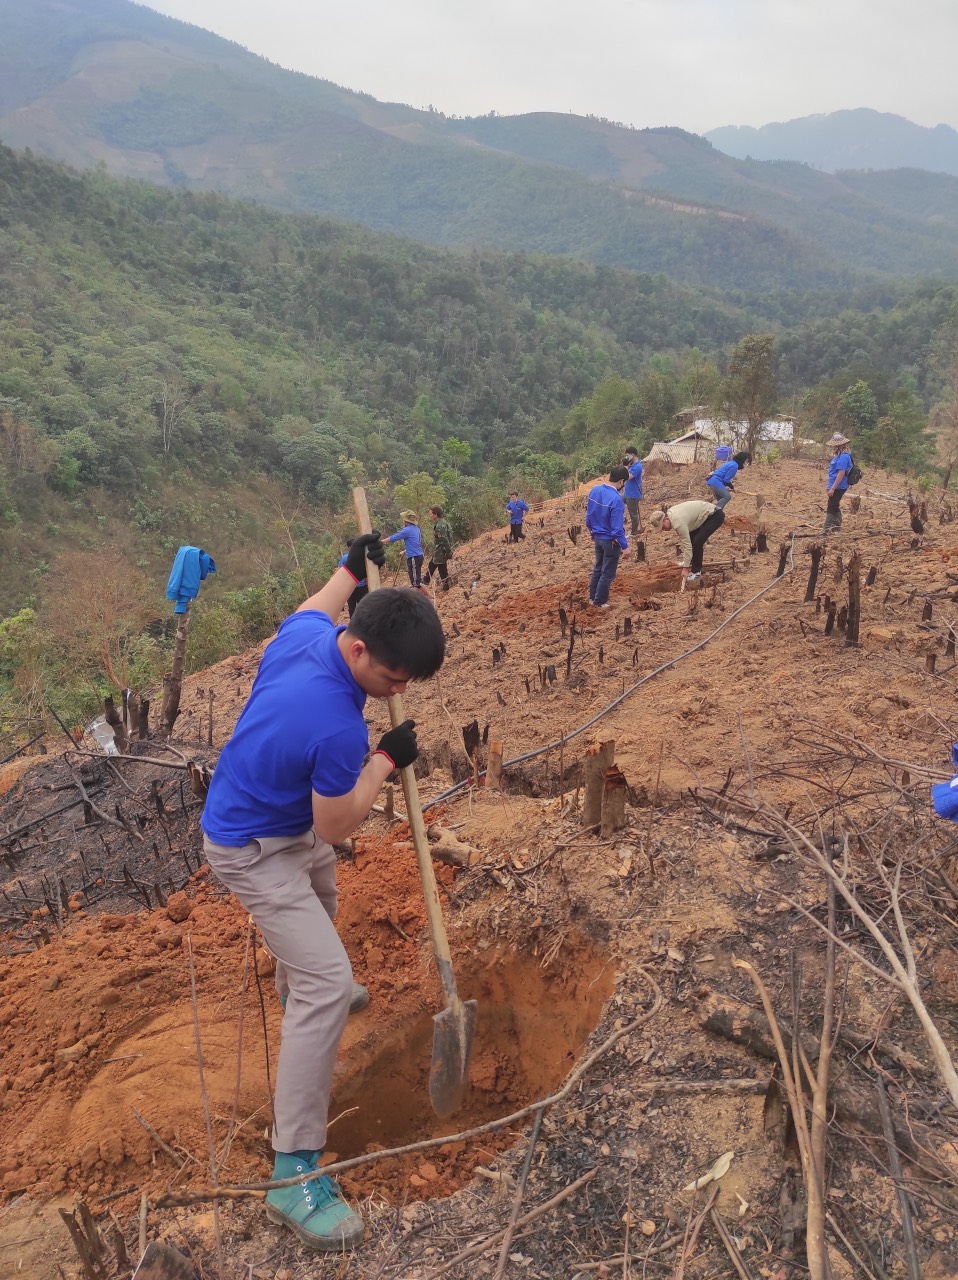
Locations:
{"points": [[401, 629], [632, 450], [437, 510], [514, 494], [742, 459], [617, 474]]}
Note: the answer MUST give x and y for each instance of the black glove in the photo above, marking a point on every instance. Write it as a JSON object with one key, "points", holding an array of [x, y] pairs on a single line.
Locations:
{"points": [[399, 745], [367, 544]]}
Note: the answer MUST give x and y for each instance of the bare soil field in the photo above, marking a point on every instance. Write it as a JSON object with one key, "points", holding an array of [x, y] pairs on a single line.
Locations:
{"points": [[139, 1026]]}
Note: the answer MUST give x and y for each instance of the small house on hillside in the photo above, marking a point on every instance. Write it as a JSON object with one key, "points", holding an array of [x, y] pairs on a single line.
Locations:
{"points": [[694, 446], [702, 433]]}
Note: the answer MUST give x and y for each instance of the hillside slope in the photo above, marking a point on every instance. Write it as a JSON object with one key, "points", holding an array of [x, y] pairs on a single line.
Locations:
{"points": [[114, 83], [556, 929]]}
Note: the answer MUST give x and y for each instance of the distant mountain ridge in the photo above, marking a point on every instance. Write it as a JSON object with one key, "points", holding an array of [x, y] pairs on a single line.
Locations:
{"points": [[112, 82], [855, 139]]}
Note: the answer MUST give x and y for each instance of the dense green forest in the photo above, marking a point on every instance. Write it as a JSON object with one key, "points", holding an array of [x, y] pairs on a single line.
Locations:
{"points": [[177, 367]]}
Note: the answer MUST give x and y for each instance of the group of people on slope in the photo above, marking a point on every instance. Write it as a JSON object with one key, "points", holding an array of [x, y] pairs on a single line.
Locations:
{"points": [[296, 777], [693, 521], [410, 535]]}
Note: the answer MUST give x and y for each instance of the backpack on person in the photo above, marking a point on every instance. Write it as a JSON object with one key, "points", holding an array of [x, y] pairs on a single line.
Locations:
{"points": [[854, 472]]}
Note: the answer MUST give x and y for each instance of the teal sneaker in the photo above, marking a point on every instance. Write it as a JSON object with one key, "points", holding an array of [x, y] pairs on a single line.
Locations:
{"points": [[315, 1210], [360, 998]]}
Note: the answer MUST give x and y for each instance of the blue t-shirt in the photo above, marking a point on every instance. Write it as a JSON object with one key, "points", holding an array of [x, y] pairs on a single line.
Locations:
{"points": [[723, 474], [840, 462], [605, 515], [412, 536], [633, 486], [302, 730], [517, 511]]}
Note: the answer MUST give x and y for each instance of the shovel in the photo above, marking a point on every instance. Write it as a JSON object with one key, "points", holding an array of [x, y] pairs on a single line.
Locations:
{"points": [[453, 1028]]}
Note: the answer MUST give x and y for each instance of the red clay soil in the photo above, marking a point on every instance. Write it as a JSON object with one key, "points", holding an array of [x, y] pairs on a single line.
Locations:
{"points": [[552, 920]]}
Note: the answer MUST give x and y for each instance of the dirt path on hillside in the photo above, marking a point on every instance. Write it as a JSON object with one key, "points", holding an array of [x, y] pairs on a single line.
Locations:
{"points": [[560, 935]]}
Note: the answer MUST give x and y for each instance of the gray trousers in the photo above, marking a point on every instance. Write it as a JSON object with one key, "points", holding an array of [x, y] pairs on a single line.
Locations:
{"points": [[632, 506], [288, 885]]}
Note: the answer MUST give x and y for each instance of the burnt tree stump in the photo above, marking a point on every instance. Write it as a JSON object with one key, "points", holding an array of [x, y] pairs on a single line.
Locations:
{"points": [[816, 556], [854, 599], [115, 721]]}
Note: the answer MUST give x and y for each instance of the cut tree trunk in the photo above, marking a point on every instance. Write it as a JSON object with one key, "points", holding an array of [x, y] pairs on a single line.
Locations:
{"points": [[614, 790], [854, 599], [816, 555], [173, 681], [598, 760], [115, 721]]}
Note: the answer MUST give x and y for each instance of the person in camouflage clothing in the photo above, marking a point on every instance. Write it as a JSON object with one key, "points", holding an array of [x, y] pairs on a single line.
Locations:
{"points": [[441, 548]]}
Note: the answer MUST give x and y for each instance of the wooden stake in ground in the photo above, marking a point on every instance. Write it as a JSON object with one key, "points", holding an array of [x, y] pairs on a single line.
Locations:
{"points": [[494, 763], [173, 680], [598, 759]]}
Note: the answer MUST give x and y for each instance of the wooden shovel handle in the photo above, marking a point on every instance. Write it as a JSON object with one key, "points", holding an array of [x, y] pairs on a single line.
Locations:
{"points": [[437, 929]]}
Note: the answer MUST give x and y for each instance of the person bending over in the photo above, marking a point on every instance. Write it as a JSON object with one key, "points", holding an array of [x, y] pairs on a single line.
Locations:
{"points": [[721, 480], [694, 522]]}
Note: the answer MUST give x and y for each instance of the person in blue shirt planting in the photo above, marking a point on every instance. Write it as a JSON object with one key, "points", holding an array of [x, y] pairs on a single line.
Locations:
{"points": [[289, 785], [632, 493], [838, 469], [517, 513], [720, 482], [605, 520], [411, 535]]}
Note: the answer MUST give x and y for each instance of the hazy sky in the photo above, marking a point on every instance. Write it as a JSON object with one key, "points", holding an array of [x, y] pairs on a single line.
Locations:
{"points": [[694, 63]]}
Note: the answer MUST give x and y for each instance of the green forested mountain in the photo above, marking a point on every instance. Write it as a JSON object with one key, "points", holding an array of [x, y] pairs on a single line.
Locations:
{"points": [[179, 367], [111, 82]]}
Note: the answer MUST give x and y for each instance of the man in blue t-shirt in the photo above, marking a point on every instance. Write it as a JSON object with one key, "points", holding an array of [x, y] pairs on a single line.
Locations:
{"points": [[411, 536], [838, 468], [605, 520], [290, 784], [632, 493], [518, 510]]}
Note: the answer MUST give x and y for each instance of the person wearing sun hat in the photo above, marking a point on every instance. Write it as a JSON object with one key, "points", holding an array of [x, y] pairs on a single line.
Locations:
{"points": [[411, 535], [838, 468], [694, 522]]}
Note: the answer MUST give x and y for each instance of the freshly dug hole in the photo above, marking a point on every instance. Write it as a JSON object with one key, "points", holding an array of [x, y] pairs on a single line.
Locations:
{"points": [[532, 1024]]}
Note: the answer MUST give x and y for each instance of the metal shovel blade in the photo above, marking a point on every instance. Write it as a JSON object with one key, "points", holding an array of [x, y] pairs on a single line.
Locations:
{"points": [[451, 1052]]}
